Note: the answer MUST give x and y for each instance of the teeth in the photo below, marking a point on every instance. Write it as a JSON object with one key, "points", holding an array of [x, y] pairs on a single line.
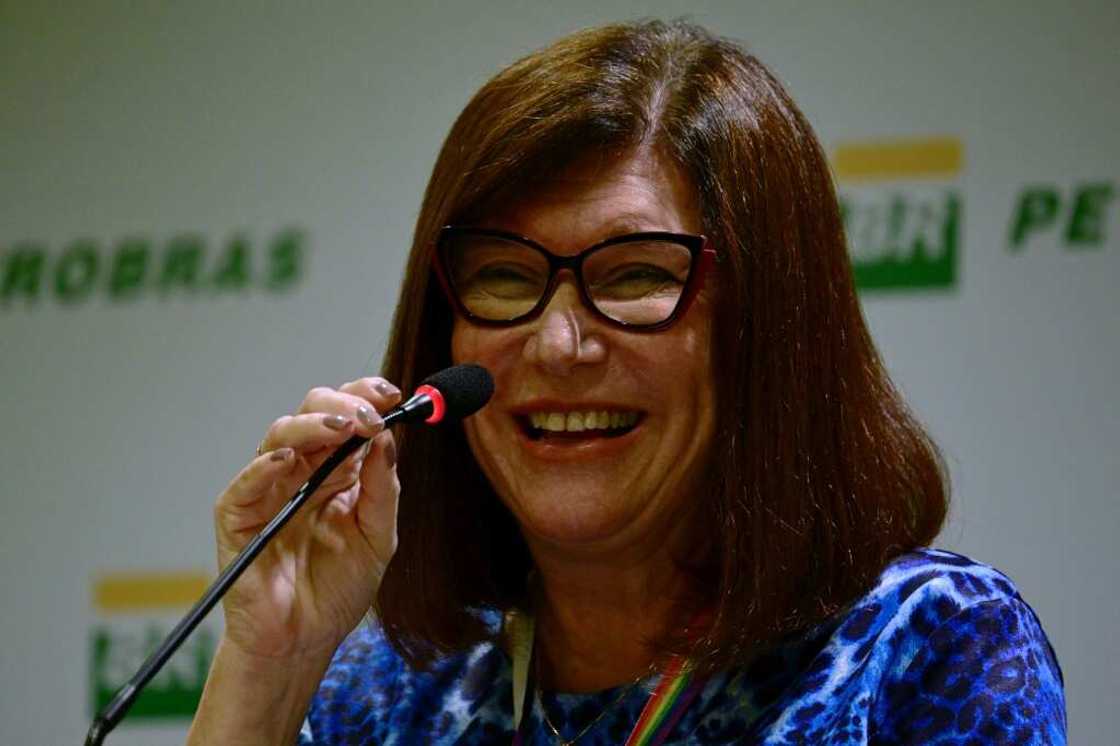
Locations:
{"points": [[576, 422]]}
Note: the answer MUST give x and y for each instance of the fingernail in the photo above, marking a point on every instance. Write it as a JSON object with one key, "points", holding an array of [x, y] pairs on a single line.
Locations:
{"points": [[386, 389], [370, 420], [336, 422], [391, 454], [281, 454]]}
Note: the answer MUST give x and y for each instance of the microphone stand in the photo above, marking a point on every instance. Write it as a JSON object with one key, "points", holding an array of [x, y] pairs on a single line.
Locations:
{"points": [[419, 406]]}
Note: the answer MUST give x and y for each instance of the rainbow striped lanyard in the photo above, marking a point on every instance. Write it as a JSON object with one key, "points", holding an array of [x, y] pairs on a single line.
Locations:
{"points": [[674, 693]]}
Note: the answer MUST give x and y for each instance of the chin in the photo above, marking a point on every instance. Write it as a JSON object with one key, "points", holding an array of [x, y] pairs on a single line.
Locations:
{"points": [[558, 520]]}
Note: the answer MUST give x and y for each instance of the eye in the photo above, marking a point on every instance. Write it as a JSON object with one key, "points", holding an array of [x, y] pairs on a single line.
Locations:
{"points": [[642, 273], [635, 281], [505, 279]]}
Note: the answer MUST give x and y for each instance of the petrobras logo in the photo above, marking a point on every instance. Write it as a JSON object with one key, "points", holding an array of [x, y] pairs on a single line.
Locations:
{"points": [[133, 268], [902, 211], [133, 613], [1078, 217]]}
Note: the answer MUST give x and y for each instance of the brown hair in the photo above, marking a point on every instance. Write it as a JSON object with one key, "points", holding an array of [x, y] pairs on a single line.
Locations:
{"points": [[822, 473]]}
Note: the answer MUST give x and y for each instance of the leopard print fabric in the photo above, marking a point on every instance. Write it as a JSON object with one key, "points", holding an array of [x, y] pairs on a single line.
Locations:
{"points": [[942, 650]]}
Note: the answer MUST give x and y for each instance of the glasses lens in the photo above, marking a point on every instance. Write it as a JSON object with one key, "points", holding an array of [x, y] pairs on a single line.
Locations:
{"points": [[637, 282], [495, 278]]}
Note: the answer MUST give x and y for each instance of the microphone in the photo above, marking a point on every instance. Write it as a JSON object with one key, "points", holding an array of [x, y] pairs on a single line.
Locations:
{"points": [[455, 393]]}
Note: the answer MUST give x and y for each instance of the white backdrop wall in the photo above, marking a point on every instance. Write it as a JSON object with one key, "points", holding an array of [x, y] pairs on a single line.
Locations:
{"points": [[221, 196]]}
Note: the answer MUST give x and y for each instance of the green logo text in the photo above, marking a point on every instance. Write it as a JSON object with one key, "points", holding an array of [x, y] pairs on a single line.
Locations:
{"points": [[133, 268]]}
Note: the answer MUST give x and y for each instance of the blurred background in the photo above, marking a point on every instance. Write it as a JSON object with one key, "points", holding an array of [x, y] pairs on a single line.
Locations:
{"points": [[205, 209]]}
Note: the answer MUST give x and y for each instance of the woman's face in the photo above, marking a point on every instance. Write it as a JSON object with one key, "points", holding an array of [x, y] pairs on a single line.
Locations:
{"points": [[595, 489]]}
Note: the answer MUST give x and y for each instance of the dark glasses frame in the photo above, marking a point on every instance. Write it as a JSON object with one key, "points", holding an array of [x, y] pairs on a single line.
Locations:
{"points": [[702, 258]]}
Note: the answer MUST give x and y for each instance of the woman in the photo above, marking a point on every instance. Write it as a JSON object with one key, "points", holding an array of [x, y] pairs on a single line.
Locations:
{"points": [[695, 485]]}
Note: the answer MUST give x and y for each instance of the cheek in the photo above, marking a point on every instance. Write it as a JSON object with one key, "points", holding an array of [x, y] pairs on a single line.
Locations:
{"points": [[464, 350], [470, 429], [683, 355], [685, 370], [460, 342], [474, 344], [471, 344], [699, 342]]}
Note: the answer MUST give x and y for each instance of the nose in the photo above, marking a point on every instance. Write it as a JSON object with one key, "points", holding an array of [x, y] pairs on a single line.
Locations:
{"points": [[563, 337]]}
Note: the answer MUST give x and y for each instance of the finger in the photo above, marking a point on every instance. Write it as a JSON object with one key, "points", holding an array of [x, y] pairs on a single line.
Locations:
{"points": [[366, 418], [309, 432], [332, 513], [345, 494], [376, 390], [379, 496], [257, 476], [250, 500], [340, 479]]}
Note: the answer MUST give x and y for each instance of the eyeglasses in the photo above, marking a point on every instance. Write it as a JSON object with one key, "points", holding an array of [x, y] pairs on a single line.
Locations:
{"points": [[639, 281]]}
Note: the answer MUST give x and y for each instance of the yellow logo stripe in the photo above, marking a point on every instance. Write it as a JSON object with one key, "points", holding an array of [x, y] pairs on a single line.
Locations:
{"points": [[118, 592], [937, 157]]}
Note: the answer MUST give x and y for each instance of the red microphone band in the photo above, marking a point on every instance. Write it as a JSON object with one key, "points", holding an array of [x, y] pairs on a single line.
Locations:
{"points": [[439, 407]]}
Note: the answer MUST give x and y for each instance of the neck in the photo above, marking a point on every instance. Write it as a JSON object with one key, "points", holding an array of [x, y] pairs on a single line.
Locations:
{"points": [[597, 613]]}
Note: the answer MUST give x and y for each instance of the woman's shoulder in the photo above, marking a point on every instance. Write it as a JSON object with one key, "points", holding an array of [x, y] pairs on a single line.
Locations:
{"points": [[941, 582], [956, 647], [923, 598], [367, 654], [915, 594], [941, 648], [366, 662], [370, 693]]}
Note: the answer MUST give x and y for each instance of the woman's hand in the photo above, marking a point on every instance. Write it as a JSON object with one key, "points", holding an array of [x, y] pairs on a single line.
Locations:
{"points": [[314, 581]]}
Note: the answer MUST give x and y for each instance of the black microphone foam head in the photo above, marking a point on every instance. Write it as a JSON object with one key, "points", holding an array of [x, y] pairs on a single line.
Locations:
{"points": [[466, 388]]}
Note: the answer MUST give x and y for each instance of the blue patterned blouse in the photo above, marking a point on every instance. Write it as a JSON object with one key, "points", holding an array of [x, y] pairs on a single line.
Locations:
{"points": [[942, 650]]}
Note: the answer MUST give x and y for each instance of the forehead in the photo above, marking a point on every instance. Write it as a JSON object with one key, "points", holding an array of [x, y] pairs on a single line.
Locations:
{"points": [[598, 198]]}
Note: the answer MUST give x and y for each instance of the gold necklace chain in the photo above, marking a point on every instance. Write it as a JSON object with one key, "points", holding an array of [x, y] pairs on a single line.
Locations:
{"points": [[587, 728]]}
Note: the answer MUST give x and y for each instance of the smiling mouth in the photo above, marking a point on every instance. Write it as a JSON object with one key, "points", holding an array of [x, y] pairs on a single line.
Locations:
{"points": [[573, 426]]}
